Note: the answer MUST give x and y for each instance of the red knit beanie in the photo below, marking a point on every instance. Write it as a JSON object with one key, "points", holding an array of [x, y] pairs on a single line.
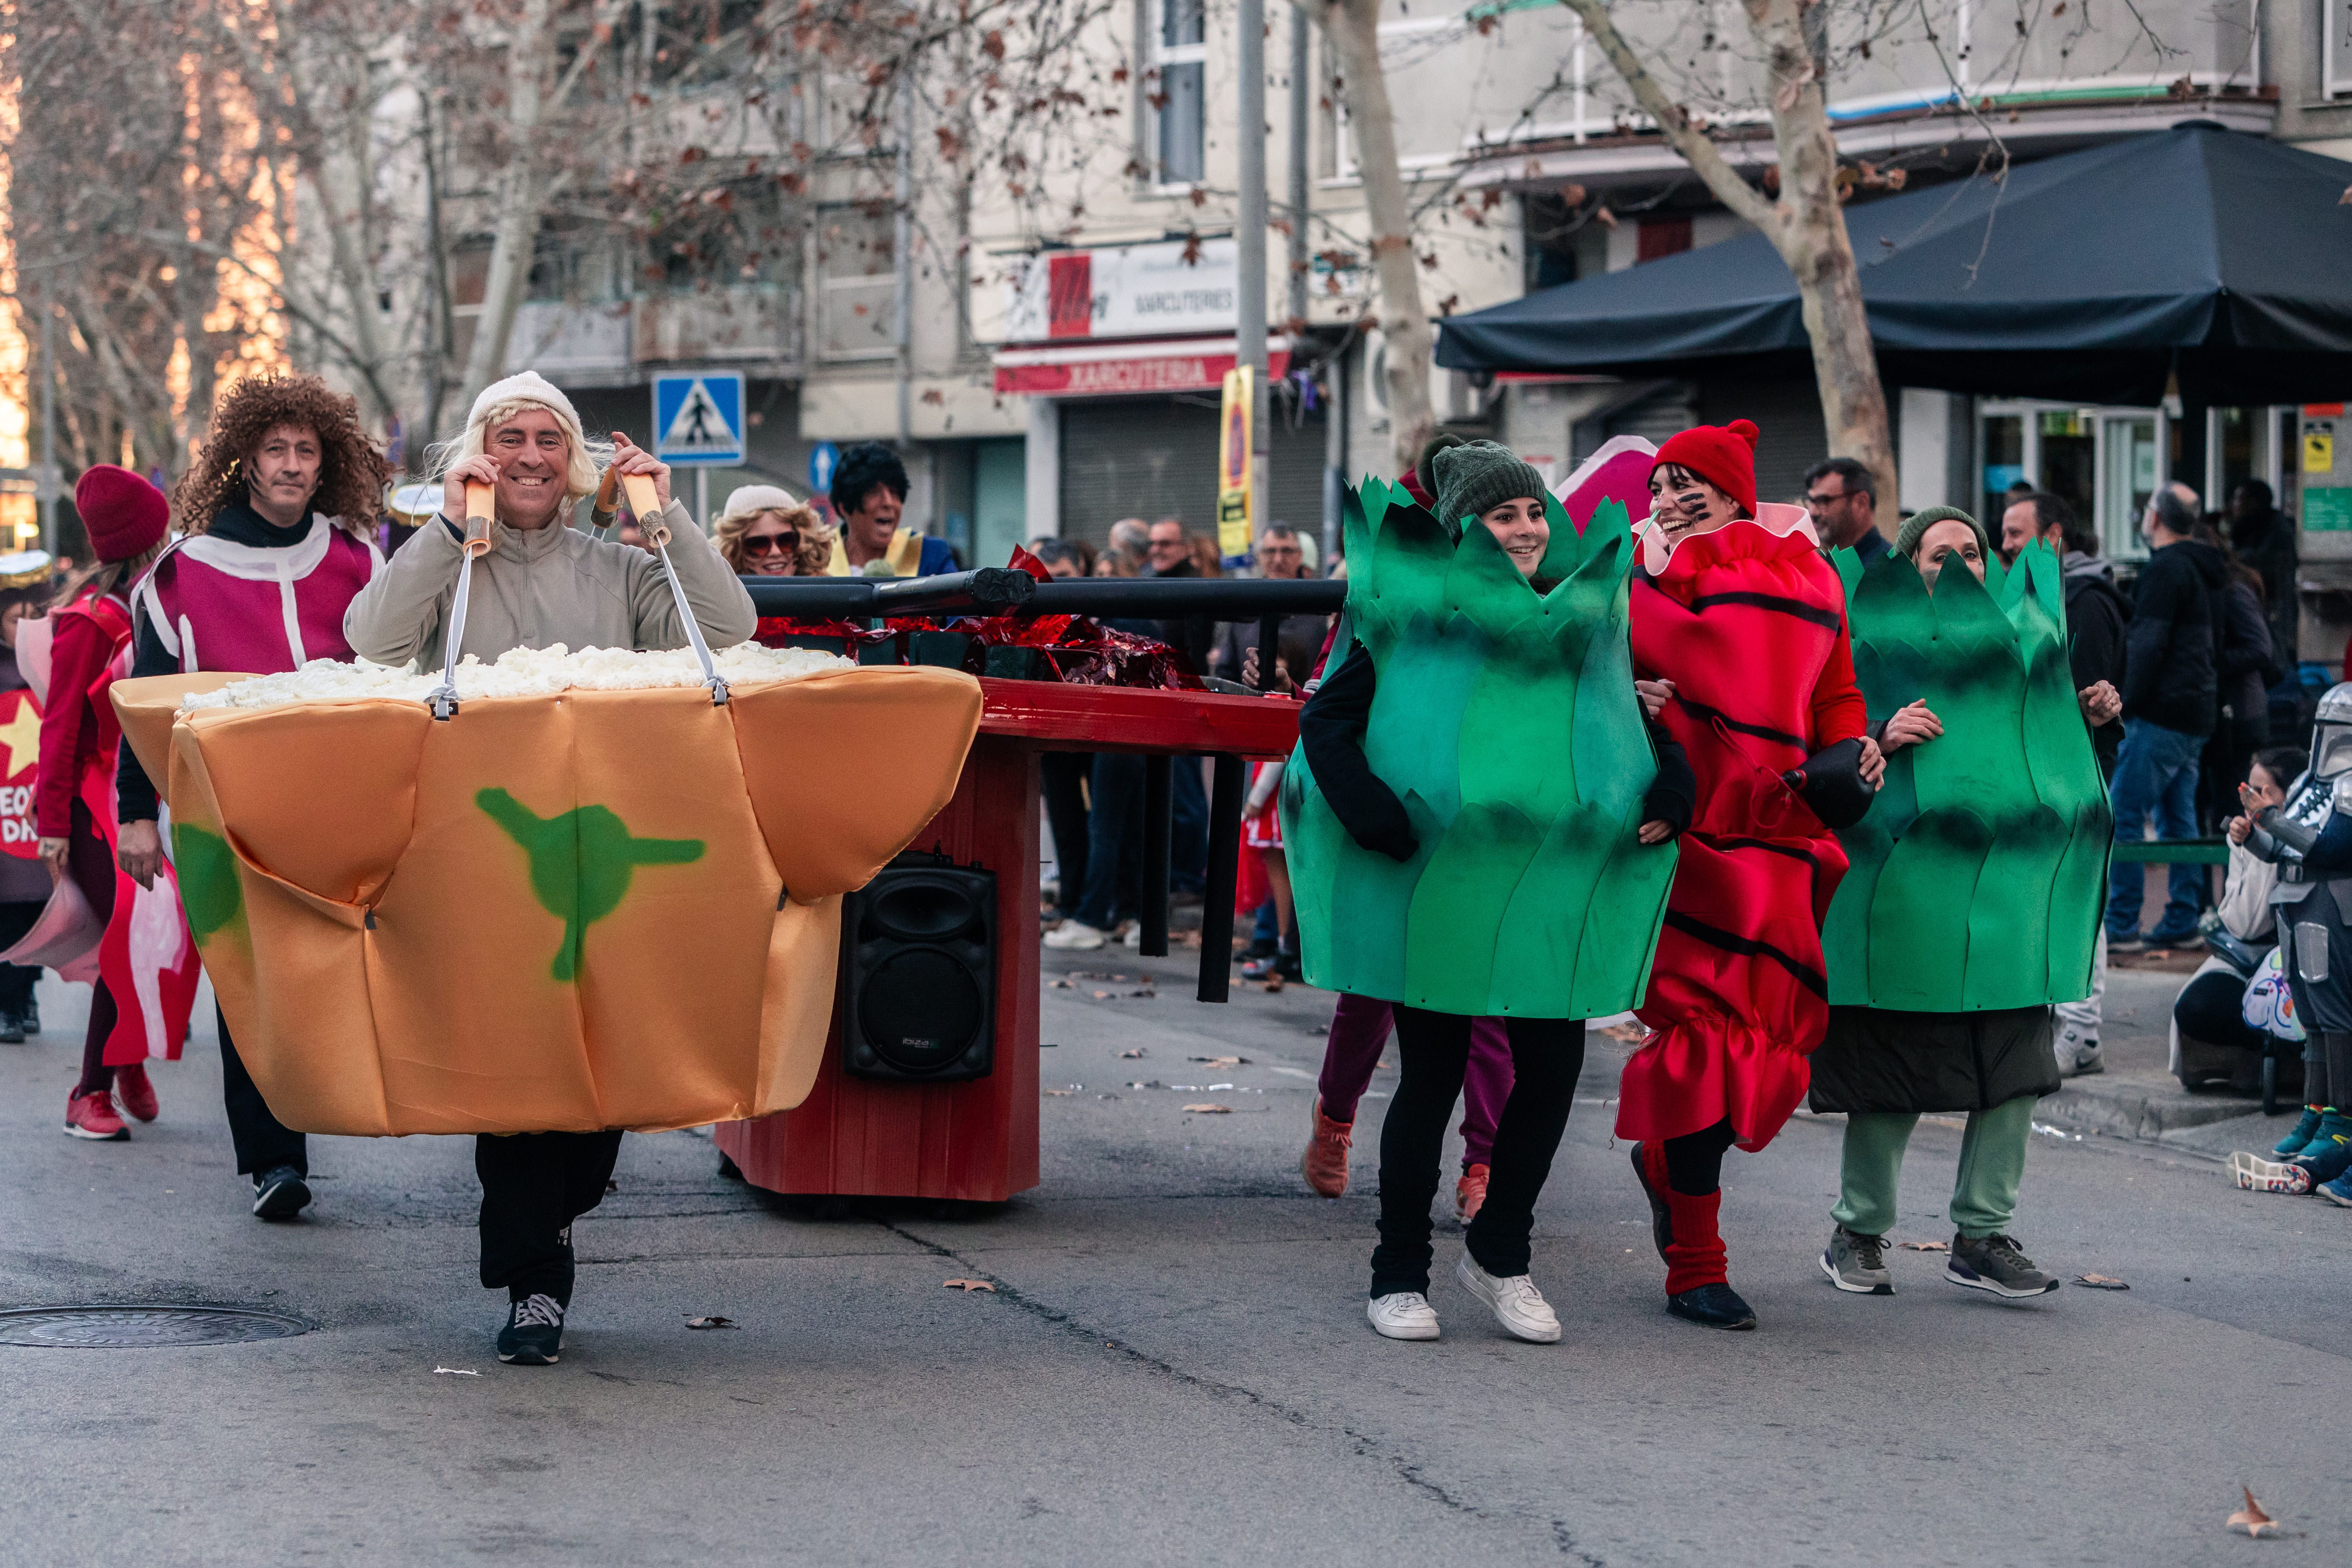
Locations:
{"points": [[122, 513], [1722, 455]]}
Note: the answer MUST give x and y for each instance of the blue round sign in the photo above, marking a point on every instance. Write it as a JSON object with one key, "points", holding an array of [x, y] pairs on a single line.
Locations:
{"points": [[822, 457]]}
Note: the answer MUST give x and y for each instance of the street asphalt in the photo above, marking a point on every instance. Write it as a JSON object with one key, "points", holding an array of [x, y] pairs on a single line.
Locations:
{"points": [[1174, 1366]]}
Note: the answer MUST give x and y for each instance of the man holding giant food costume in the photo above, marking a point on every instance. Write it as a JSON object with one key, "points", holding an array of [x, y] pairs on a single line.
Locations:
{"points": [[541, 582], [1970, 900], [277, 520]]}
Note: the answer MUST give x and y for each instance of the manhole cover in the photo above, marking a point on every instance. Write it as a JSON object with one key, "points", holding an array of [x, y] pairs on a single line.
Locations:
{"points": [[108, 1328]]}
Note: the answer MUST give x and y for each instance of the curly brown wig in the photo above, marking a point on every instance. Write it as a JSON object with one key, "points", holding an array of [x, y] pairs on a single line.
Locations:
{"points": [[350, 478]]}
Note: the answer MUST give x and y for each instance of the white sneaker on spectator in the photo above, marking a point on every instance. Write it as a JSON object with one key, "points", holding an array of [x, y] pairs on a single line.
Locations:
{"points": [[2077, 1053], [1074, 936], [1517, 1305], [1134, 936], [1404, 1315]]}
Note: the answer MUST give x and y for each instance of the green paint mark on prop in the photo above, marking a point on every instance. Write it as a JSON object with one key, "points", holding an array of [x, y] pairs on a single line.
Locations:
{"points": [[1506, 722], [207, 872], [1976, 879], [580, 863]]}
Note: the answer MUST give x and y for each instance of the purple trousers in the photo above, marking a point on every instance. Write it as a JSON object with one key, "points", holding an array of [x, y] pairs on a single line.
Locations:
{"points": [[1360, 1027]]}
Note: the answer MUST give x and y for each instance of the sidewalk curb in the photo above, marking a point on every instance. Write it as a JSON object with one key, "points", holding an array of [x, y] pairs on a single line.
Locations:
{"points": [[2138, 1108]]}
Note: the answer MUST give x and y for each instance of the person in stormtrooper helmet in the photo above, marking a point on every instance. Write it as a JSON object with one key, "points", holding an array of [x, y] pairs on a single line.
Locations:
{"points": [[2309, 837]]}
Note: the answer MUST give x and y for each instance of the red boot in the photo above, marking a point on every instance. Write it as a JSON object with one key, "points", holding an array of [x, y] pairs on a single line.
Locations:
{"points": [[1683, 1226]]}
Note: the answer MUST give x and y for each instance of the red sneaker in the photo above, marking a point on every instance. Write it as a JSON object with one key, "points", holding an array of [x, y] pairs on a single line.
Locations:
{"points": [[136, 1092], [1470, 1192], [92, 1116], [1325, 1163]]}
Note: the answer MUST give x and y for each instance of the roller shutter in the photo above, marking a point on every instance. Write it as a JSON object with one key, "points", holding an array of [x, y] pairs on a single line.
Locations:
{"points": [[1157, 456]]}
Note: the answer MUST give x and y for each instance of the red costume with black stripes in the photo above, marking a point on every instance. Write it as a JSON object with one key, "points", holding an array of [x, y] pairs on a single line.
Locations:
{"points": [[1749, 625]]}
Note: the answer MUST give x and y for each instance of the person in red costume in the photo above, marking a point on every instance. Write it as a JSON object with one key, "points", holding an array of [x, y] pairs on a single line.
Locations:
{"points": [[1739, 625], [126, 517]]}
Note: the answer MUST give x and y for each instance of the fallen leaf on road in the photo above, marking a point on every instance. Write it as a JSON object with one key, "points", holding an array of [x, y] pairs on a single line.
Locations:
{"points": [[455, 1371], [1058, 1093], [712, 1324], [1135, 1055], [2101, 1281], [1927, 1247], [1273, 982], [1147, 991], [1102, 996], [1210, 1109], [1224, 1061], [968, 1286], [2251, 1518], [1063, 985]]}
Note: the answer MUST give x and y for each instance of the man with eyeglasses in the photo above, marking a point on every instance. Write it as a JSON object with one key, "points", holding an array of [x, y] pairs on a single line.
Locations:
{"points": [[1844, 502]]}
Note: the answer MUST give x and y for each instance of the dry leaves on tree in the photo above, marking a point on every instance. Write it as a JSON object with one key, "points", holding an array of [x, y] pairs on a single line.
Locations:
{"points": [[2251, 1518], [968, 1286]]}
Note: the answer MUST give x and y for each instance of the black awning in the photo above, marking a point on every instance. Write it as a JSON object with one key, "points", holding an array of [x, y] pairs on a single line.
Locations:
{"points": [[2221, 257]]}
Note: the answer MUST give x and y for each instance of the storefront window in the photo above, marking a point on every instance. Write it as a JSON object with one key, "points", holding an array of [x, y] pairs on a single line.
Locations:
{"points": [[2243, 448], [2070, 457], [2004, 462], [2128, 482]]}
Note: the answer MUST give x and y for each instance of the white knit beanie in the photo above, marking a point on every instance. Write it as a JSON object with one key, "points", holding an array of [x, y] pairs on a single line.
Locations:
{"points": [[527, 386]]}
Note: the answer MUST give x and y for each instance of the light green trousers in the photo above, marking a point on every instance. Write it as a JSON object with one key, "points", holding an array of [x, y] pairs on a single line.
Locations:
{"points": [[1984, 1194]]}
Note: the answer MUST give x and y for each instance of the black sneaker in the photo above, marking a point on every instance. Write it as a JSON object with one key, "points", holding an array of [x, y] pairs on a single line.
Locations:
{"points": [[1258, 952], [280, 1193], [1714, 1306], [1857, 1263], [12, 1027], [1994, 1263], [534, 1333], [2132, 943], [31, 1016]]}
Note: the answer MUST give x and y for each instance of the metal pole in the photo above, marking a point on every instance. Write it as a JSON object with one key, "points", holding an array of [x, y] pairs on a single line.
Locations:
{"points": [[1225, 855], [702, 499], [1302, 66], [1157, 823], [46, 486], [902, 296], [1250, 228]]}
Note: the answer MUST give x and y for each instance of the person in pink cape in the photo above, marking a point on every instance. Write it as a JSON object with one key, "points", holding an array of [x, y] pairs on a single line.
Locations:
{"points": [[278, 518]]}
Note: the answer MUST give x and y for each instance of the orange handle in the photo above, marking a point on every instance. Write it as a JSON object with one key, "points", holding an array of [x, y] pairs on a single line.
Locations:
{"points": [[646, 502], [479, 506]]}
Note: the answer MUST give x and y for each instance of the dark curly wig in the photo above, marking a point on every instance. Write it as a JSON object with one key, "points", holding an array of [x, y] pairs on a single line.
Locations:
{"points": [[350, 477]]}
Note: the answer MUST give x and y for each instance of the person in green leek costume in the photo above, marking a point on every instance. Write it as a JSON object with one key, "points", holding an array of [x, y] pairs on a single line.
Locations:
{"points": [[1479, 822], [1973, 901]]}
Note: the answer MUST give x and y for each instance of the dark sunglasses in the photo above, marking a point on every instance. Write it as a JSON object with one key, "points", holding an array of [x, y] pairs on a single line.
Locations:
{"points": [[1812, 500], [762, 543]]}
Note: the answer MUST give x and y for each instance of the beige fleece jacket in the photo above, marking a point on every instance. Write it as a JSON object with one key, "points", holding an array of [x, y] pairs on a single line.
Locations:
{"points": [[542, 586]]}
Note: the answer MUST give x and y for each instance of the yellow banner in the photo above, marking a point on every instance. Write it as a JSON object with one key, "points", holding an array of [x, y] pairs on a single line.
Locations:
{"points": [[1237, 507]]}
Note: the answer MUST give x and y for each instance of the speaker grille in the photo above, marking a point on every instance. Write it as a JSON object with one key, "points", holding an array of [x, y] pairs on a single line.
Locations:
{"points": [[920, 1008]]}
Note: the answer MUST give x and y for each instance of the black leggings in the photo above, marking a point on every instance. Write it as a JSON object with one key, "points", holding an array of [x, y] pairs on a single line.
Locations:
{"points": [[16, 979], [1695, 1160], [1433, 1050], [2327, 1070]]}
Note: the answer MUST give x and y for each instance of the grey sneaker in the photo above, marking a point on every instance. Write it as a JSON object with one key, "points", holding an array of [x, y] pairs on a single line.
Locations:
{"points": [[1857, 1263], [1994, 1263]]}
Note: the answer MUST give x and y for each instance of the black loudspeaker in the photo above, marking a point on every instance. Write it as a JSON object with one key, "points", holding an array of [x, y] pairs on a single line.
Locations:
{"points": [[918, 973]]}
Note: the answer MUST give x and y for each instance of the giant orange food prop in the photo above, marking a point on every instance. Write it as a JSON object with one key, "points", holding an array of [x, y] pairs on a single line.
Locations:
{"points": [[553, 913]]}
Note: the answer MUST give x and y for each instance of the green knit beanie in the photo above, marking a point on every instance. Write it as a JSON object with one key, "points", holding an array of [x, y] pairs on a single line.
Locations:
{"points": [[1478, 476], [1915, 528]]}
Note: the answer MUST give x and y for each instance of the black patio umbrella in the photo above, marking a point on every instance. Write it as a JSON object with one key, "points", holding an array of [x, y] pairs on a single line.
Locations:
{"points": [[2222, 258]]}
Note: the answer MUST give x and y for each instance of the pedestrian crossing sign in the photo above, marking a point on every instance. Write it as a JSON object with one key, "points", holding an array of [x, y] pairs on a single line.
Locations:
{"points": [[698, 420]]}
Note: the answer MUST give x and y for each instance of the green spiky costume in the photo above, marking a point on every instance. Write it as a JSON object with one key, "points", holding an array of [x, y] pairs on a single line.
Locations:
{"points": [[1506, 722], [1973, 898]]}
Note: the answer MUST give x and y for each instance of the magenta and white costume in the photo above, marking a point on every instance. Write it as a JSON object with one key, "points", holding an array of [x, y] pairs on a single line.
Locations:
{"points": [[219, 605]]}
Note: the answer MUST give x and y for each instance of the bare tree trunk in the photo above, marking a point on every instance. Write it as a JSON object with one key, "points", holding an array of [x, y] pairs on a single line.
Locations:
{"points": [[1806, 226], [1353, 28], [515, 234]]}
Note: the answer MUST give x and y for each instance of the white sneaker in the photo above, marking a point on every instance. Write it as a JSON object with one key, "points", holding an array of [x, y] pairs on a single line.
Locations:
{"points": [[1406, 1315], [2077, 1053], [1519, 1306], [1073, 935], [1134, 937]]}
